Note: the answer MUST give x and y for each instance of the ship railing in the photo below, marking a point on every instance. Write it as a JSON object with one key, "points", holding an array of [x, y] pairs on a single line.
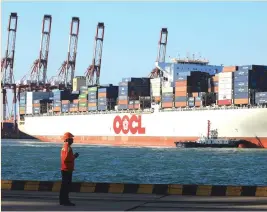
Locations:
{"points": [[147, 110]]}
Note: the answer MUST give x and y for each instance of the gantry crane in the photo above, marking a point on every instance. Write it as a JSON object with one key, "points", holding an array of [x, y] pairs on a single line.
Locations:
{"points": [[39, 70], [67, 70], [7, 65], [93, 71], [161, 52]]}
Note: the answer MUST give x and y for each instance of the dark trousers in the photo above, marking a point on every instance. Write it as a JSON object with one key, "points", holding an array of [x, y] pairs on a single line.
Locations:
{"points": [[65, 186]]}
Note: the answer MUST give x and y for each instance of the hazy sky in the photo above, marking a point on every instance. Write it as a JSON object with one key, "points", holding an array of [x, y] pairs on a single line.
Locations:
{"points": [[230, 33]]}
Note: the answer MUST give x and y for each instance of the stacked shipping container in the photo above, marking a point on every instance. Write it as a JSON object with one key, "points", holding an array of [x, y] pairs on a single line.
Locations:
{"points": [[167, 97], [22, 103], [92, 98], [225, 88], [32, 96], [155, 89], [74, 107], [65, 106], [132, 89], [241, 87], [107, 97], [261, 98], [181, 91]]}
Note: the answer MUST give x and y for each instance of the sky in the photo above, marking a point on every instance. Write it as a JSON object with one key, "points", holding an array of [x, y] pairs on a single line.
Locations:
{"points": [[229, 33]]}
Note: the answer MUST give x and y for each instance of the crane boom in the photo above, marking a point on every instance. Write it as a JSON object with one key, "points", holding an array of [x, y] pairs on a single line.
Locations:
{"points": [[93, 71]]}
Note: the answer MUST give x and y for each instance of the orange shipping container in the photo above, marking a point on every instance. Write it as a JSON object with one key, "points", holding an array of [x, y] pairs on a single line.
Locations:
{"points": [[82, 100], [76, 101], [180, 93], [215, 78], [56, 109], [181, 83], [182, 88], [157, 98], [167, 104], [195, 94], [241, 101], [229, 68], [36, 105], [123, 102], [65, 101], [180, 104], [92, 105], [102, 94], [136, 106], [216, 89], [197, 104]]}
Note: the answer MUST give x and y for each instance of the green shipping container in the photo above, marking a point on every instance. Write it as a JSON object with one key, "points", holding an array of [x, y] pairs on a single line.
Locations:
{"points": [[92, 89], [83, 96], [83, 104]]}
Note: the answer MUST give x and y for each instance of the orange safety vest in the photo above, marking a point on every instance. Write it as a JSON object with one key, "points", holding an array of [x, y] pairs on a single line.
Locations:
{"points": [[67, 158]]}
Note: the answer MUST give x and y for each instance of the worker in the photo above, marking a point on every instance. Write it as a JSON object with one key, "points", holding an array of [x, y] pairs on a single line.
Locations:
{"points": [[67, 167]]}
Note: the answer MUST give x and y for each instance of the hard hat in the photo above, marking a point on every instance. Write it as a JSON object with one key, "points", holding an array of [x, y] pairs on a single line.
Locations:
{"points": [[67, 135]]}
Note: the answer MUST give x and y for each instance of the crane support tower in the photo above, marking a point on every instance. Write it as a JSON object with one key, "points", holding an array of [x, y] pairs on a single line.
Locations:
{"points": [[93, 71], [7, 63], [39, 69], [7, 72], [162, 45], [72, 51]]}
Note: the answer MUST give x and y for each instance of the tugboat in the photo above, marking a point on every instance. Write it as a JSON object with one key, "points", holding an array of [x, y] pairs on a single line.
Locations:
{"points": [[212, 142]]}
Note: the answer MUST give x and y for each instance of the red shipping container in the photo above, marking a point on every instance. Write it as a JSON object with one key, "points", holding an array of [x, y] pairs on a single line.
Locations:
{"points": [[198, 104], [225, 102], [229, 69], [181, 88], [75, 100], [123, 102], [167, 105], [180, 104], [180, 93], [65, 102], [181, 83], [157, 98], [130, 107], [102, 94], [136, 106]]}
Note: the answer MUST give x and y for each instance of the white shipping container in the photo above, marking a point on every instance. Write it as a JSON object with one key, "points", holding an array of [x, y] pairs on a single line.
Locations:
{"points": [[156, 80], [225, 80], [226, 75], [224, 96], [167, 89], [78, 82], [29, 110], [156, 94], [225, 90], [225, 86]]}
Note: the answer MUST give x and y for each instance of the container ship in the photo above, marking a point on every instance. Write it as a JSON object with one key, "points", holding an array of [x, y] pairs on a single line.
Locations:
{"points": [[155, 112]]}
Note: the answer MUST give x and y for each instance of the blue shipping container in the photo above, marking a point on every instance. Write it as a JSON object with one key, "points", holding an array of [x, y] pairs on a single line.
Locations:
{"points": [[191, 99], [167, 99], [261, 100], [241, 95], [167, 94], [215, 84], [92, 108], [122, 107], [122, 97], [181, 78], [102, 103], [241, 84], [92, 101], [241, 79], [241, 90], [123, 93], [191, 104], [241, 73], [261, 94], [180, 99], [102, 90], [57, 104], [74, 105], [102, 107]]}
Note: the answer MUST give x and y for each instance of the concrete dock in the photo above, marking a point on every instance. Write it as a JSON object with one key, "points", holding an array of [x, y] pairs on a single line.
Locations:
{"points": [[48, 201]]}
